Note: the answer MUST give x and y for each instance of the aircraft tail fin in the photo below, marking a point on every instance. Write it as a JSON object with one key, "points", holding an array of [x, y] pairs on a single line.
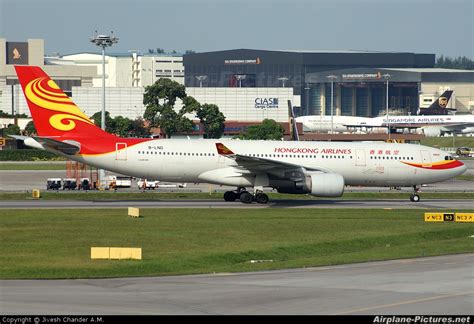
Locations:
{"points": [[54, 113], [293, 128], [438, 107]]}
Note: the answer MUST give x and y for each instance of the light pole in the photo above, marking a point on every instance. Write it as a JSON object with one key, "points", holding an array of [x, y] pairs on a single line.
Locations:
{"points": [[332, 78], [307, 98], [283, 80], [387, 77], [240, 77], [201, 78], [103, 41]]}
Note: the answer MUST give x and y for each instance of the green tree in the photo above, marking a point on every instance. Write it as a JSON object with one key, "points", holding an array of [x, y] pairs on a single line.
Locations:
{"points": [[11, 129], [138, 128], [159, 100], [109, 122], [267, 130], [122, 126], [212, 120], [30, 128], [460, 62]]}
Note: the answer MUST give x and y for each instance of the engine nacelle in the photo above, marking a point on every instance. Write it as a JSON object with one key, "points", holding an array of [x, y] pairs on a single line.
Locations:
{"points": [[325, 184], [432, 131], [316, 184]]}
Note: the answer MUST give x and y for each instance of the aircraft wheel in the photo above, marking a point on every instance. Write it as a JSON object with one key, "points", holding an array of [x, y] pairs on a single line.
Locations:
{"points": [[230, 196], [246, 197], [262, 198], [414, 198]]}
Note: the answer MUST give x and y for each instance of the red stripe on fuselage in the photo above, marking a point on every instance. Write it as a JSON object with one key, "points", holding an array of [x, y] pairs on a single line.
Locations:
{"points": [[444, 166]]}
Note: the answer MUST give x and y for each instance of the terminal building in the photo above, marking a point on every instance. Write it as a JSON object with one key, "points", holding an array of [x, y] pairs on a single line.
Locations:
{"points": [[358, 78]]}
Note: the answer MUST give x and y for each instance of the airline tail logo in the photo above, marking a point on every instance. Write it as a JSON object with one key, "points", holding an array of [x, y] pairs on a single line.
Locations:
{"points": [[46, 94], [443, 102], [16, 54], [223, 150]]}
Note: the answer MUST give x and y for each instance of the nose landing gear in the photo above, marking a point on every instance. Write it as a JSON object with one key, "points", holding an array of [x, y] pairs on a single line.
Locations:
{"points": [[414, 196]]}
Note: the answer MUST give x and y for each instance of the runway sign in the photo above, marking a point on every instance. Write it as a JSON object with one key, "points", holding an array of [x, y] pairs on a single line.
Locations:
{"points": [[434, 217], [449, 217], [465, 217]]}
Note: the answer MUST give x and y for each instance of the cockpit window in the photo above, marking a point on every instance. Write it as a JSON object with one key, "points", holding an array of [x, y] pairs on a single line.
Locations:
{"points": [[448, 157]]}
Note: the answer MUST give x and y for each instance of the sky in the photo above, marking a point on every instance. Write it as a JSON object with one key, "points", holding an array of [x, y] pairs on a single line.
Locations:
{"points": [[442, 27]]}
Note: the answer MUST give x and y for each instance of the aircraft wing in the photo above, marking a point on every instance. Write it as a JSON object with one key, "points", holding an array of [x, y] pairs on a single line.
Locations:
{"points": [[457, 127], [259, 164]]}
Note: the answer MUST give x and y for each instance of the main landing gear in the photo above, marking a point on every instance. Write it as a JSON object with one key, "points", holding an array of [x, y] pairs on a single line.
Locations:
{"points": [[414, 196], [246, 197]]}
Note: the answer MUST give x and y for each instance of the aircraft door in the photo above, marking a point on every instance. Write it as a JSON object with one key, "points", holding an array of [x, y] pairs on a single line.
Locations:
{"points": [[121, 151], [426, 158], [360, 158]]}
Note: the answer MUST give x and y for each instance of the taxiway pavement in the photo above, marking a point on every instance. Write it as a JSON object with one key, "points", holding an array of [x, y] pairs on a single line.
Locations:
{"points": [[435, 285], [205, 203]]}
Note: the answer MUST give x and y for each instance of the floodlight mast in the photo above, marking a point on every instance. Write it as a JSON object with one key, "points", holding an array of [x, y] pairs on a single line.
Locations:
{"points": [[283, 80], [387, 77], [103, 41], [240, 77], [332, 78], [201, 78]]}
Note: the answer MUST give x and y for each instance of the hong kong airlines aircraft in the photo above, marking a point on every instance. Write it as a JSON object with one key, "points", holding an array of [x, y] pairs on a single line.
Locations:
{"points": [[318, 168]]}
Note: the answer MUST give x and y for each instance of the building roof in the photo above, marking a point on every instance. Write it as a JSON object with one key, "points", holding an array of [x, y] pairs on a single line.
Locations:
{"points": [[430, 70]]}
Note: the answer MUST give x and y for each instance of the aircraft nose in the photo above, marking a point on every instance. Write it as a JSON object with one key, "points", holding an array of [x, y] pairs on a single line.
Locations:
{"points": [[462, 168]]}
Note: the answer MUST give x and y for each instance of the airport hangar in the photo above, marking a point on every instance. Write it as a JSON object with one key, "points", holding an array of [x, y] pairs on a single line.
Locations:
{"points": [[298, 76], [359, 82]]}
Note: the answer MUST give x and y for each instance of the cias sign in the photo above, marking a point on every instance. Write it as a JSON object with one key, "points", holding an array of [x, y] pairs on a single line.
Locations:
{"points": [[266, 103]]}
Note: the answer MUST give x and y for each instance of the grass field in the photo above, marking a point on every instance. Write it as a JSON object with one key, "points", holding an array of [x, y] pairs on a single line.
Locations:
{"points": [[56, 243], [448, 141], [147, 195], [32, 166]]}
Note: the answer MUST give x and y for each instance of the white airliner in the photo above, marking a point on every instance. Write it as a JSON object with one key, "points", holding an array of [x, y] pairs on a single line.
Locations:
{"points": [[431, 125], [318, 168], [433, 121]]}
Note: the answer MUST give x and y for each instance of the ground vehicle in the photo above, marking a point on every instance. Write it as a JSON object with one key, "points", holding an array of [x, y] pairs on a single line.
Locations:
{"points": [[463, 151], [84, 184], [53, 184], [69, 184], [147, 184], [123, 182]]}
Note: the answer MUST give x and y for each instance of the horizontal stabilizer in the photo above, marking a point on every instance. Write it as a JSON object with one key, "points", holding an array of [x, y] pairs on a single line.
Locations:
{"points": [[63, 147]]}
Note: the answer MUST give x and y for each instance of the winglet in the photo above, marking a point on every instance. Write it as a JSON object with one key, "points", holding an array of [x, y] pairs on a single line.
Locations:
{"points": [[223, 150]]}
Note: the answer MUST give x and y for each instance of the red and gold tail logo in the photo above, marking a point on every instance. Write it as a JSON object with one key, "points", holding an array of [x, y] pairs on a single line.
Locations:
{"points": [[45, 93], [222, 149]]}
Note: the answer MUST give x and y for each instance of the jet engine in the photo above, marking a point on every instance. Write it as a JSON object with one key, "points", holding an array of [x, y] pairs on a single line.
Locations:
{"points": [[316, 184], [432, 131]]}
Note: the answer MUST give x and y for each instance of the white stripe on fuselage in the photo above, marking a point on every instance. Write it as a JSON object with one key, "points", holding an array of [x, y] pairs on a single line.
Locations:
{"points": [[364, 164]]}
